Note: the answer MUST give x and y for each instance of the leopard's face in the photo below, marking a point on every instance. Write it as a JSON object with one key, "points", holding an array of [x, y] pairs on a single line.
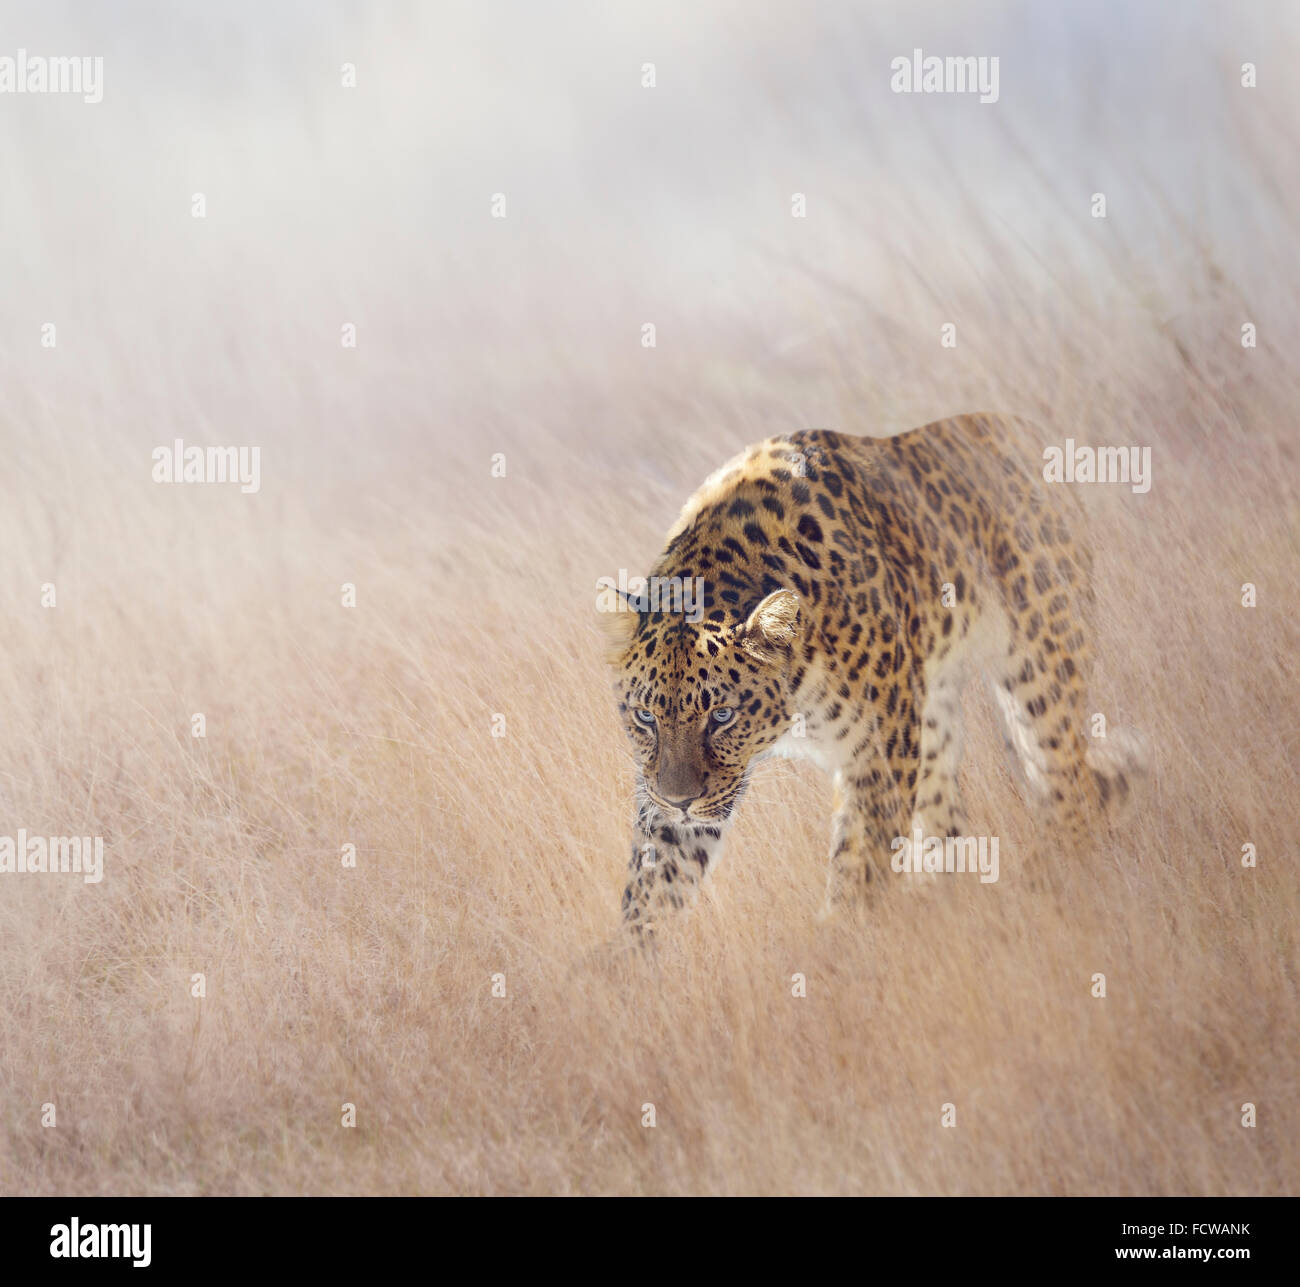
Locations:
{"points": [[699, 703]]}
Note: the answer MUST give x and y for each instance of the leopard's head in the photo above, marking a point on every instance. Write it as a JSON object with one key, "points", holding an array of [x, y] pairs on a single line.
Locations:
{"points": [[701, 700]]}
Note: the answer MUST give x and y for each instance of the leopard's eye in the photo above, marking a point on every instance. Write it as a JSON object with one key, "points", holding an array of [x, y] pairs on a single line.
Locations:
{"points": [[645, 717], [723, 715]]}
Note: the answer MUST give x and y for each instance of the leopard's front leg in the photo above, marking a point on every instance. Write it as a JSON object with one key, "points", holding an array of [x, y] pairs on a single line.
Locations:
{"points": [[670, 860], [875, 798]]}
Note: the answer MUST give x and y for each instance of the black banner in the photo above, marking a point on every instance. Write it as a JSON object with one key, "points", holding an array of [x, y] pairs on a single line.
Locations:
{"points": [[164, 1236]]}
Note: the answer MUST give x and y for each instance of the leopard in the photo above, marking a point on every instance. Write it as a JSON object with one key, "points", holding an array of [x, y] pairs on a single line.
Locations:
{"points": [[848, 589]]}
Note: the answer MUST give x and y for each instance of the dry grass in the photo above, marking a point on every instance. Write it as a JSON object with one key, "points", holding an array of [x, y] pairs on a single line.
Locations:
{"points": [[479, 855]]}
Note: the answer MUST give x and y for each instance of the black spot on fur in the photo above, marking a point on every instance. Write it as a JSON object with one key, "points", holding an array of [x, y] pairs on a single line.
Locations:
{"points": [[810, 529]]}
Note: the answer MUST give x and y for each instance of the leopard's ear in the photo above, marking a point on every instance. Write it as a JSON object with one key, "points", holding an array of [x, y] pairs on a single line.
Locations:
{"points": [[772, 627], [617, 612]]}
